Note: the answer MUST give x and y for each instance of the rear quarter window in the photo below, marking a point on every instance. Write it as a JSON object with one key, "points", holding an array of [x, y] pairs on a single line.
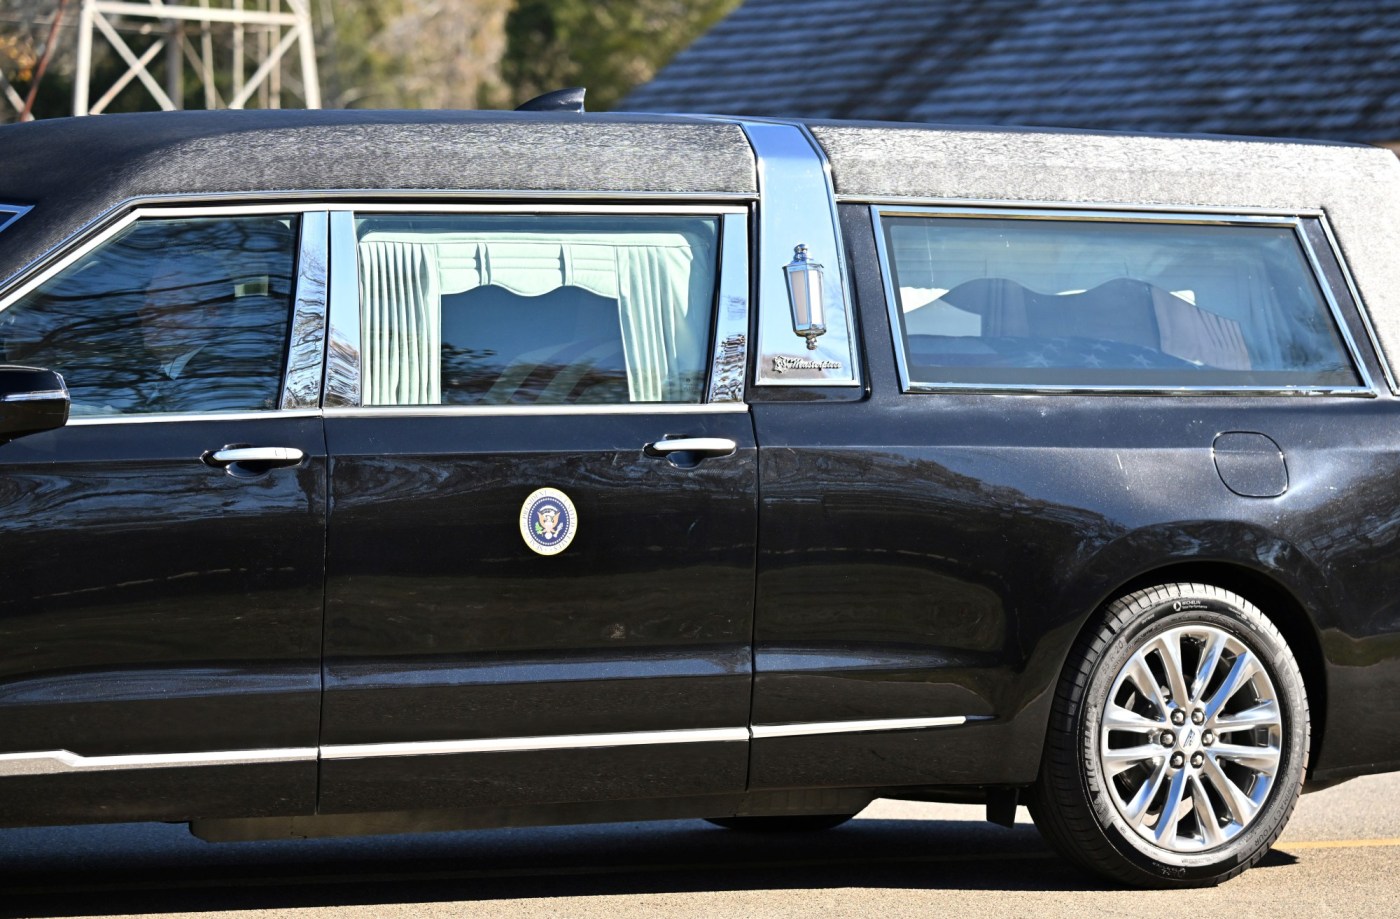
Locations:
{"points": [[1110, 302]]}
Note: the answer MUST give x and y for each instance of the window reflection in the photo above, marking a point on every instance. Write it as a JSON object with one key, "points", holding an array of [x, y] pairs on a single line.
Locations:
{"points": [[1060, 302], [172, 315]]}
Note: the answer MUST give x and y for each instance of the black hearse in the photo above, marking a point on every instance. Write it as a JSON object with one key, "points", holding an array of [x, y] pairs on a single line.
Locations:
{"points": [[370, 472]]}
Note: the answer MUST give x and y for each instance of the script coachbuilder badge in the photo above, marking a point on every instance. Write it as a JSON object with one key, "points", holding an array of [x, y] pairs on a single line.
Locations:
{"points": [[548, 521]]}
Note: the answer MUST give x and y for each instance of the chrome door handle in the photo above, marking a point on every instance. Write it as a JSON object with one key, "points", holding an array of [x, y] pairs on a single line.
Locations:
{"points": [[705, 446], [265, 456]]}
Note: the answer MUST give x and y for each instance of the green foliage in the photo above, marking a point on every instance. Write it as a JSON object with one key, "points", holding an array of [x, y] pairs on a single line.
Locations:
{"points": [[609, 46]]}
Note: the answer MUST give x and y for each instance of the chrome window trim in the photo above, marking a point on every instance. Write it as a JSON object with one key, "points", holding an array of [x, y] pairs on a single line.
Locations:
{"points": [[509, 411], [342, 382], [729, 362], [664, 210], [1361, 308], [294, 200], [9, 213], [1235, 214], [797, 205], [307, 343], [1186, 216], [1320, 277], [59, 762], [105, 233]]}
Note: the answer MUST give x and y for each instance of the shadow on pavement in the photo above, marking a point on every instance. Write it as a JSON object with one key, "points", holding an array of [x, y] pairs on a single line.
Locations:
{"points": [[172, 873]]}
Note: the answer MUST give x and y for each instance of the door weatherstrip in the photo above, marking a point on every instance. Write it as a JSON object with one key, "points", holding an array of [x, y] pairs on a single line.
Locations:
{"points": [[56, 762]]}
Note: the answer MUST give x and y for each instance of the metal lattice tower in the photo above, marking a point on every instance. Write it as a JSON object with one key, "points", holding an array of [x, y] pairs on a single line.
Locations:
{"points": [[253, 33]]}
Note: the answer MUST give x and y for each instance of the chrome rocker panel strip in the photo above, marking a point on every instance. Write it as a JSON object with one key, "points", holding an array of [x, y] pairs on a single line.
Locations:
{"points": [[58, 762], [765, 731], [527, 744]]}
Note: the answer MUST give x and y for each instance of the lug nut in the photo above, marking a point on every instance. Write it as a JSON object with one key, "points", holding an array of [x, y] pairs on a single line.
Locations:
{"points": [[1178, 760], [1178, 717], [1208, 737], [1167, 739], [1198, 759], [1198, 717]]}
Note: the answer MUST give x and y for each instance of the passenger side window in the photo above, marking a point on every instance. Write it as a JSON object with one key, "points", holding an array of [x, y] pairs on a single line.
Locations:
{"points": [[171, 315], [1109, 302], [473, 309]]}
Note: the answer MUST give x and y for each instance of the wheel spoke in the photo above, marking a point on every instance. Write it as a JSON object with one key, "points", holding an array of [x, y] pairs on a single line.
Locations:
{"points": [[1263, 715], [1205, 813], [1260, 759], [1140, 675], [1124, 758], [1118, 718], [1241, 671], [1168, 647], [1172, 810], [1136, 809], [1242, 806], [1210, 660]]}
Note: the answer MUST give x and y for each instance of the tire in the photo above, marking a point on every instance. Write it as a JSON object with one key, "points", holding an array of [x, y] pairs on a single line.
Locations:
{"points": [[1148, 791], [795, 823]]}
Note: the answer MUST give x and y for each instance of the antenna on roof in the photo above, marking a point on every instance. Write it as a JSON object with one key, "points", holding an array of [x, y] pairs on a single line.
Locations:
{"points": [[561, 100]]}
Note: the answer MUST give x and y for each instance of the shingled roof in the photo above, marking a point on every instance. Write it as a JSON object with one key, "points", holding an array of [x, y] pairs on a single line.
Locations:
{"points": [[1311, 68]]}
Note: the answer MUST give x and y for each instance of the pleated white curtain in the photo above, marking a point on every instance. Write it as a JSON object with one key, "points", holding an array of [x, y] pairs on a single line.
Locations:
{"points": [[401, 321], [664, 300]]}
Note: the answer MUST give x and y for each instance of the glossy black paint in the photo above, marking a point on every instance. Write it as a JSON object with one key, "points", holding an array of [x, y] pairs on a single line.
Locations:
{"points": [[31, 400], [936, 554], [541, 777], [866, 554], [443, 625], [155, 605]]}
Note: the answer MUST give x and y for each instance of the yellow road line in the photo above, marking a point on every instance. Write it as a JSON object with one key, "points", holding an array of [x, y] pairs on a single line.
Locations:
{"points": [[1338, 844]]}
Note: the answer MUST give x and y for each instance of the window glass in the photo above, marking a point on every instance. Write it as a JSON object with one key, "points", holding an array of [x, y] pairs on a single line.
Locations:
{"points": [[172, 315], [468, 309], [1008, 301]]}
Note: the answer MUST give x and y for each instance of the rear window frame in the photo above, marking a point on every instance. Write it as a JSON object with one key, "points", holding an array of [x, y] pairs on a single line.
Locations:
{"points": [[1295, 221]]}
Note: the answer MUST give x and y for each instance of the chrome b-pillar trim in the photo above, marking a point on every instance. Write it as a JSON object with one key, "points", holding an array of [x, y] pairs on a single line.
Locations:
{"points": [[797, 205], [343, 358], [302, 387]]}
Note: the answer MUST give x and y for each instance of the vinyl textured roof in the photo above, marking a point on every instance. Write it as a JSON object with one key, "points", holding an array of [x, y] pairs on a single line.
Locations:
{"points": [[1313, 68]]}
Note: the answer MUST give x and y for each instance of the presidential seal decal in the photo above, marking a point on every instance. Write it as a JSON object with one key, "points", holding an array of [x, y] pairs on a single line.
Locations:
{"points": [[548, 521]]}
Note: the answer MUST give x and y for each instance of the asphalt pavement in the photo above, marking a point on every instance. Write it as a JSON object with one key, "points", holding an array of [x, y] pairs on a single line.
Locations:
{"points": [[1340, 857]]}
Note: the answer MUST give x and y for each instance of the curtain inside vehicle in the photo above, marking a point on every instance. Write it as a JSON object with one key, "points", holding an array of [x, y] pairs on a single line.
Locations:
{"points": [[663, 301]]}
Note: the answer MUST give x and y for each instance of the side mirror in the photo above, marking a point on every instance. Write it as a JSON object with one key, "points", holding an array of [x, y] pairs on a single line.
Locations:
{"points": [[31, 400]]}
